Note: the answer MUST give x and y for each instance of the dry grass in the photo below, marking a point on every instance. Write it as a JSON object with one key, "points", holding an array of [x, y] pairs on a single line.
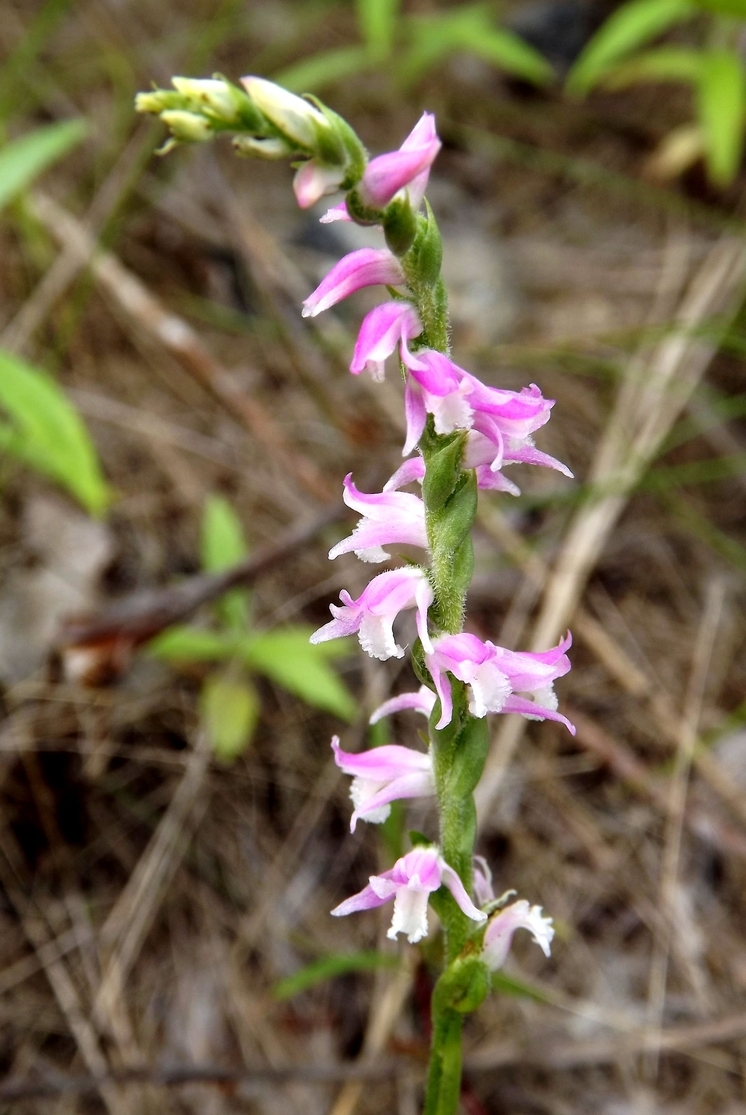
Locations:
{"points": [[152, 898]]}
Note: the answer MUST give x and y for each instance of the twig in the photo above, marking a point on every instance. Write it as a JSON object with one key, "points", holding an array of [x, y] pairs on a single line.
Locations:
{"points": [[676, 806], [142, 615]]}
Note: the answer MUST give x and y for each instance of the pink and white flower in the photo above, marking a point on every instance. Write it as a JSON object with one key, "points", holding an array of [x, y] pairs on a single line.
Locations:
{"points": [[389, 518], [408, 168], [499, 680], [422, 701], [410, 882], [387, 326], [295, 117], [372, 615], [437, 386], [482, 881], [365, 267], [499, 933], [382, 775]]}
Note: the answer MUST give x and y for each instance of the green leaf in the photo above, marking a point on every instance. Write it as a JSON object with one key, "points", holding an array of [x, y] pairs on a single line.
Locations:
{"points": [[721, 108], [192, 644], [230, 711], [735, 8], [435, 37], [48, 434], [507, 51], [224, 545], [668, 63], [337, 964], [377, 20], [320, 70], [287, 658], [223, 542], [23, 160], [630, 27]]}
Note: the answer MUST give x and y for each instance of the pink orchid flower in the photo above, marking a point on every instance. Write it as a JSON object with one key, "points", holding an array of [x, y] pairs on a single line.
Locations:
{"points": [[410, 882], [387, 326], [497, 677], [382, 775], [499, 933], [422, 701], [408, 168], [389, 518], [372, 615], [365, 267], [435, 385]]}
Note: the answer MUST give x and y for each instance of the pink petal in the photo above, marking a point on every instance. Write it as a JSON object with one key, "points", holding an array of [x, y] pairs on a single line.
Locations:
{"points": [[422, 701], [313, 179], [382, 330], [452, 880], [365, 267]]}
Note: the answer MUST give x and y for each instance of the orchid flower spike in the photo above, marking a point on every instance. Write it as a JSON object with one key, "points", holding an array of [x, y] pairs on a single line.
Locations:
{"points": [[422, 701], [496, 677], [409, 882], [382, 775], [365, 267], [385, 327], [372, 615], [389, 518], [499, 933]]}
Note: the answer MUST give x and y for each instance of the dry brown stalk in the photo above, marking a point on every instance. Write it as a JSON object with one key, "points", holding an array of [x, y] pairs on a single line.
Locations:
{"points": [[677, 793], [657, 387]]}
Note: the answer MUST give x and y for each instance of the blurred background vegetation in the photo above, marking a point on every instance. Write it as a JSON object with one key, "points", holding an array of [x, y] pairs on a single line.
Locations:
{"points": [[173, 440]]}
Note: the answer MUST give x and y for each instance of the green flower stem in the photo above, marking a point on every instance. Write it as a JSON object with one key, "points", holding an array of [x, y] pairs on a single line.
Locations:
{"points": [[444, 1069]]}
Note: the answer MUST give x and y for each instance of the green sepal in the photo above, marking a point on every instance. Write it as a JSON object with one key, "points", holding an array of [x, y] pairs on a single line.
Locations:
{"points": [[464, 985], [361, 213], [399, 225], [419, 840], [423, 260], [345, 143], [443, 470]]}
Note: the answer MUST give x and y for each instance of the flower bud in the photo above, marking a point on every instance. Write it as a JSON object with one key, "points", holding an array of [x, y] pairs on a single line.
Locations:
{"points": [[220, 100], [294, 117], [158, 100], [188, 127], [273, 147]]}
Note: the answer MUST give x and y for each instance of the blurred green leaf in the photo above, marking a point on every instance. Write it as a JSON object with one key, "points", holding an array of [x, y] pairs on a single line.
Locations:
{"points": [[314, 73], [223, 542], [668, 63], [287, 658], [337, 964], [230, 710], [224, 545], [193, 644], [377, 20], [721, 108], [506, 51], [735, 8], [471, 28], [47, 433], [23, 160], [630, 27]]}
